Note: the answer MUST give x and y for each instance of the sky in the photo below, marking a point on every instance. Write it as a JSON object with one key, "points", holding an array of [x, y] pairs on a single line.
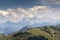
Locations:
{"points": [[15, 14]]}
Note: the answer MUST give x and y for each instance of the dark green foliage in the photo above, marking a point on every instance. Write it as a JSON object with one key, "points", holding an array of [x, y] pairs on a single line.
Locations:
{"points": [[37, 38]]}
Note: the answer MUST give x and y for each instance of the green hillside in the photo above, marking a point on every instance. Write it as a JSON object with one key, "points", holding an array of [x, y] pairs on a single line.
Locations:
{"points": [[38, 33]]}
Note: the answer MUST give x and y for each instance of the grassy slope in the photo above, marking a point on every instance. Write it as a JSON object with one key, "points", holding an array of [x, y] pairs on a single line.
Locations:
{"points": [[34, 32]]}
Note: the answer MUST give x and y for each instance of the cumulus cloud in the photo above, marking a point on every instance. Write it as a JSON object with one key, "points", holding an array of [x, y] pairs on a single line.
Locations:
{"points": [[4, 13], [34, 15]]}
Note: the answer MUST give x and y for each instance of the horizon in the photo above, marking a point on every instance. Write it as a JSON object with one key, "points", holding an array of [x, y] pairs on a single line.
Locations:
{"points": [[15, 14]]}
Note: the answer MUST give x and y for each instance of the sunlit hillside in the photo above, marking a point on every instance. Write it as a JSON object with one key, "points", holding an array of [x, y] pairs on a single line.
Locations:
{"points": [[37, 33]]}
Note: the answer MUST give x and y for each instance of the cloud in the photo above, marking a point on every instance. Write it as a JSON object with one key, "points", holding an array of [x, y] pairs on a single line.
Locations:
{"points": [[4, 13], [34, 15], [52, 3]]}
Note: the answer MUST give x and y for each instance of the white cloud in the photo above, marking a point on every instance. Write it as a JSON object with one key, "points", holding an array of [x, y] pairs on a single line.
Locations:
{"points": [[4, 13], [51, 2], [37, 14]]}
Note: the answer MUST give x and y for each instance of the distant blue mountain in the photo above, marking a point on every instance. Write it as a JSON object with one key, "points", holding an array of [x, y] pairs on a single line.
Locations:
{"points": [[10, 27]]}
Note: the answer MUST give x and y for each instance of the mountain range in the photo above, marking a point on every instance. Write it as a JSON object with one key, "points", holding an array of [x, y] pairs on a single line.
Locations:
{"points": [[34, 33]]}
